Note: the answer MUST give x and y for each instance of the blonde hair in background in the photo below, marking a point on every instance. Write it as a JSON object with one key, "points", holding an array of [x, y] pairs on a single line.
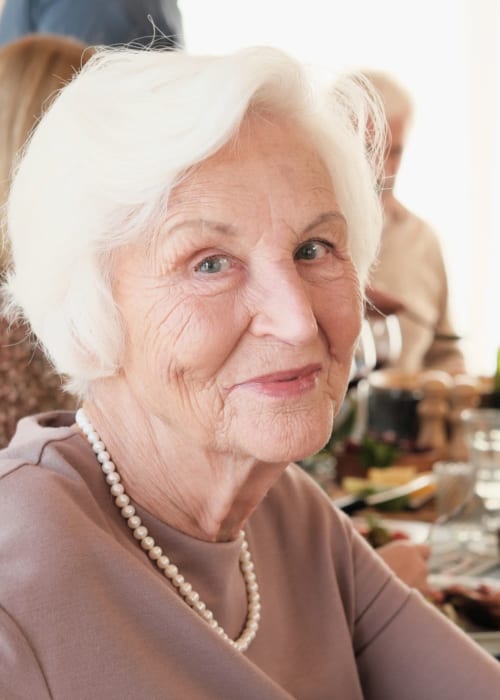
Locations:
{"points": [[32, 70], [116, 141]]}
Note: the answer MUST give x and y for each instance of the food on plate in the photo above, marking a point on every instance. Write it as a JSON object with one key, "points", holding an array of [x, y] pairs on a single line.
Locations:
{"points": [[381, 478], [465, 605], [391, 476], [377, 533]]}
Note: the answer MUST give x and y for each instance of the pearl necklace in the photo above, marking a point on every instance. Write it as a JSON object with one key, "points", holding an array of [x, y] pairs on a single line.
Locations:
{"points": [[155, 553]]}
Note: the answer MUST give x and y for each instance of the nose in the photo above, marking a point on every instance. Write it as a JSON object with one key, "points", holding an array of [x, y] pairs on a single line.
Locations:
{"points": [[283, 308]]}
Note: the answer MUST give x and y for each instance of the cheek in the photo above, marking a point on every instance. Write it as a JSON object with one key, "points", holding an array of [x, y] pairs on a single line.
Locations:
{"points": [[339, 316], [189, 341]]}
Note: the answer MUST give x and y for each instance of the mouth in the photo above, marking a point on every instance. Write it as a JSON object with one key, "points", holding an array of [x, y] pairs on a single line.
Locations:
{"points": [[286, 382]]}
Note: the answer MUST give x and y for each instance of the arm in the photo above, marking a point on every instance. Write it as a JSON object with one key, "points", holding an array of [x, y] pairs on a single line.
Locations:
{"points": [[443, 354], [405, 648]]}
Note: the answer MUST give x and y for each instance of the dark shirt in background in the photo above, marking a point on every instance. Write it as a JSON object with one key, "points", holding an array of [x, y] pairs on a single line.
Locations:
{"points": [[96, 21]]}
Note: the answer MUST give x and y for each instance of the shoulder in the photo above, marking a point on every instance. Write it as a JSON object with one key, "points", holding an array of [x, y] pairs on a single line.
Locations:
{"points": [[298, 507], [44, 495], [34, 436], [400, 218], [56, 526]]}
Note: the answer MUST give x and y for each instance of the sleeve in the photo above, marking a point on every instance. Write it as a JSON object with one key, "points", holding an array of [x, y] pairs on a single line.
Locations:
{"points": [[405, 648], [15, 20], [111, 22], [443, 354], [20, 674]]}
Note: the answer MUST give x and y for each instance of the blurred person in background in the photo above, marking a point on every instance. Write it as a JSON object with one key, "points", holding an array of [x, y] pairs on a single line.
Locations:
{"points": [[32, 71], [409, 277], [156, 23]]}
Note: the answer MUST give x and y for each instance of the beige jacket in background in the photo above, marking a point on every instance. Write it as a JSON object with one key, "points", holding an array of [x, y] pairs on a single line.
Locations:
{"points": [[411, 268]]}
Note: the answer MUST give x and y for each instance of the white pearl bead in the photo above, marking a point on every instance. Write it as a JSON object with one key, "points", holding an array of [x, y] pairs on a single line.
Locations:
{"points": [[117, 490], [162, 562], [127, 510], [92, 437], [103, 457], [134, 521], [185, 588], [98, 446], [171, 571], [140, 532], [199, 606], [108, 467], [193, 597], [207, 614], [148, 543], [155, 552], [213, 624], [112, 478], [122, 501], [178, 580]]}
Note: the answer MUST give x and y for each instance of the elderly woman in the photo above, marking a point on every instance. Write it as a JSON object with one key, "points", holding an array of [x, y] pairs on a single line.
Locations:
{"points": [[189, 239]]}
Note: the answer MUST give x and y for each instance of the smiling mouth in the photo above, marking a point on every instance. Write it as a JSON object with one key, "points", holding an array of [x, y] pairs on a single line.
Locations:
{"points": [[290, 375], [285, 383]]}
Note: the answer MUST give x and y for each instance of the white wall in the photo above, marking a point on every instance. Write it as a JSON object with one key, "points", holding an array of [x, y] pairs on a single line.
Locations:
{"points": [[447, 53]]}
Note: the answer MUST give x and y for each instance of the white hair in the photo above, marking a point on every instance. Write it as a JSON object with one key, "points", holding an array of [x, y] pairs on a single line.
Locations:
{"points": [[99, 168]]}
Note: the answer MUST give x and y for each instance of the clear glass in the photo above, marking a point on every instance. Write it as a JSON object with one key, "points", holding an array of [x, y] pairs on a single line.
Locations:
{"points": [[483, 433]]}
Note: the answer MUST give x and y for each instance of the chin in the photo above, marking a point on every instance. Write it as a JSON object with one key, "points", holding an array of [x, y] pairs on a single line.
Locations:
{"points": [[289, 438]]}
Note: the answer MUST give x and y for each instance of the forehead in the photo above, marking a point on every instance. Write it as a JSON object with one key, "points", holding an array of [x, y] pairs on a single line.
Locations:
{"points": [[268, 158], [398, 126]]}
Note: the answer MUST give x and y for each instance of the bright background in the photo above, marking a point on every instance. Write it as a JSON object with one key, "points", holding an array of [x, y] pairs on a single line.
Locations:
{"points": [[447, 53]]}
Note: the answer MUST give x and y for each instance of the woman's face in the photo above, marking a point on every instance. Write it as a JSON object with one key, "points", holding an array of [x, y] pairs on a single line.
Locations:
{"points": [[241, 321]]}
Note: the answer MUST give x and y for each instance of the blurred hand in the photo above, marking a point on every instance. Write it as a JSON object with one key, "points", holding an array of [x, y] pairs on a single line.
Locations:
{"points": [[409, 562]]}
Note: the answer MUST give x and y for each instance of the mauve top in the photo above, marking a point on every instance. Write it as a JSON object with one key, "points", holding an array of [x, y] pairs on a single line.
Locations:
{"points": [[85, 615]]}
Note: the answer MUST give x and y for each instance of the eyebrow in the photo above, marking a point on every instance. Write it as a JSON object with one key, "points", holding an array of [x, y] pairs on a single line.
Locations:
{"points": [[229, 230], [218, 226], [324, 218]]}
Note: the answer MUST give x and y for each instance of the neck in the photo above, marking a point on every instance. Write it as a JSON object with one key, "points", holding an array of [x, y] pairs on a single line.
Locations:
{"points": [[205, 494]]}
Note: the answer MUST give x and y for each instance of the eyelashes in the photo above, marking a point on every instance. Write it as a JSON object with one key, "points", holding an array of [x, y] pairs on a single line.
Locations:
{"points": [[314, 249]]}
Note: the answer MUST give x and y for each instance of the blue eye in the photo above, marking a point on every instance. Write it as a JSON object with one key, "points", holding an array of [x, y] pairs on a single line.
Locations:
{"points": [[213, 265], [312, 250]]}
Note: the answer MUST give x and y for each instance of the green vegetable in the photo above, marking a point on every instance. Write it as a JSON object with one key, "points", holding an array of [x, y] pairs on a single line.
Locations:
{"points": [[375, 453]]}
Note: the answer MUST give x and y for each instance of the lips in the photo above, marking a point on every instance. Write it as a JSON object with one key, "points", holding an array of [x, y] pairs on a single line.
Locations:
{"points": [[288, 375], [285, 384]]}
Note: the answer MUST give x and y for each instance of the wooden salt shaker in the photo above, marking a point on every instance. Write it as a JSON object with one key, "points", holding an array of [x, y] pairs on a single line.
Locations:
{"points": [[463, 395], [432, 411]]}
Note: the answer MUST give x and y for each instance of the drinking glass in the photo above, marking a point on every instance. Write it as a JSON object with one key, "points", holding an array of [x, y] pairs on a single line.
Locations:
{"points": [[483, 437]]}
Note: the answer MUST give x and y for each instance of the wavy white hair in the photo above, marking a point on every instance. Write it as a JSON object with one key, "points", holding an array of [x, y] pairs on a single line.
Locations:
{"points": [[98, 170]]}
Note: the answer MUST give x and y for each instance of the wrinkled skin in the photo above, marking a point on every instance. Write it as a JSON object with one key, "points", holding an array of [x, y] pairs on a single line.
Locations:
{"points": [[250, 275]]}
